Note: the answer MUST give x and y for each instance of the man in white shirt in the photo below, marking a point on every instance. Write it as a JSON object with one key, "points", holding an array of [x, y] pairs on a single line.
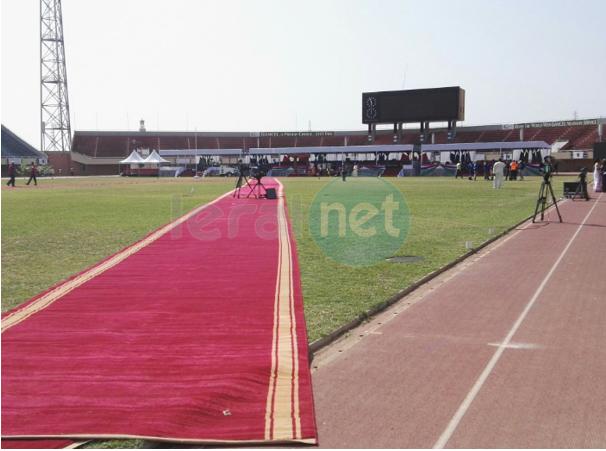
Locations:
{"points": [[497, 171]]}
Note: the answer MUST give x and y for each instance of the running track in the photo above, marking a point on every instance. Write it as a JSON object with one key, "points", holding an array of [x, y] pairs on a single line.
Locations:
{"points": [[506, 350]]}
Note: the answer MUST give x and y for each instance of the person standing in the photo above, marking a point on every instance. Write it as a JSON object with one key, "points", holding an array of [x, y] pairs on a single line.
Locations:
{"points": [[597, 176], [497, 170], [12, 172], [521, 168], [513, 170], [475, 171], [32, 175], [344, 171], [583, 183], [458, 172], [486, 170]]}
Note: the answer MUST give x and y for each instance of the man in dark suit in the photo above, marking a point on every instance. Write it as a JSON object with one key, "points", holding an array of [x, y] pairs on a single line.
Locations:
{"points": [[32, 175], [12, 171]]}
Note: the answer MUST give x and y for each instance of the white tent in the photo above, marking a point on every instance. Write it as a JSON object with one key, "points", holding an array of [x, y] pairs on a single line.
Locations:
{"points": [[134, 158], [154, 158]]}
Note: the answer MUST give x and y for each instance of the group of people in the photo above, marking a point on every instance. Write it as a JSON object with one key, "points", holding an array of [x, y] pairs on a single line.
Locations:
{"points": [[599, 178], [344, 171], [12, 173], [317, 171], [508, 170]]}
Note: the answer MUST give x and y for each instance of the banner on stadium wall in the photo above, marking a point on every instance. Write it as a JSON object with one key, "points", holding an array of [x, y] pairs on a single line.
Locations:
{"points": [[438, 170], [532, 169], [556, 124], [290, 134], [577, 155]]}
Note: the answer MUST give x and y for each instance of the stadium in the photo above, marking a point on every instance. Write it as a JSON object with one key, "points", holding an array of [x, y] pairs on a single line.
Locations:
{"points": [[99, 153], [397, 285]]}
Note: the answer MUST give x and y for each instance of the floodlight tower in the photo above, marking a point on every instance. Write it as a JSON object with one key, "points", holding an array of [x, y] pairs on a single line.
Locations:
{"points": [[54, 111]]}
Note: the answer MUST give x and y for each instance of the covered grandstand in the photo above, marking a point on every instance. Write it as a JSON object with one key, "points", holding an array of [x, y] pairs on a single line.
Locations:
{"points": [[16, 150], [99, 152]]}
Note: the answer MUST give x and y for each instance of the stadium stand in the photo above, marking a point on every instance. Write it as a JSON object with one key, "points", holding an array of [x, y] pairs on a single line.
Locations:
{"points": [[15, 147], [110, 147], [17, 150], [332, 141]]}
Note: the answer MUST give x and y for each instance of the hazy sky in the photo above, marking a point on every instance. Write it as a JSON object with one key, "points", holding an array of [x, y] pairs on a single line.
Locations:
{"points": [[276, 65]]}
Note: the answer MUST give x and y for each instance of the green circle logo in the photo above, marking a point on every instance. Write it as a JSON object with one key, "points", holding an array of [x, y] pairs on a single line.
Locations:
{"points": [[359, 222]]}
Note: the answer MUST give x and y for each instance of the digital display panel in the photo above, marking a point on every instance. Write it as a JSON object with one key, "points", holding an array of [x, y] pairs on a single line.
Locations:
{"points": [[599, 150], [415, 105]]}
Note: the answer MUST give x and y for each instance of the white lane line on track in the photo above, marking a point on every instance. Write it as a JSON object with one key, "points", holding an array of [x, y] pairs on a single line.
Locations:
{"points": [[458, 416]]}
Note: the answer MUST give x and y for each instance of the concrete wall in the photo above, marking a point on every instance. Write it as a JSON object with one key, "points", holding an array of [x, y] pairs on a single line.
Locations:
{"points": [[63, 164]]}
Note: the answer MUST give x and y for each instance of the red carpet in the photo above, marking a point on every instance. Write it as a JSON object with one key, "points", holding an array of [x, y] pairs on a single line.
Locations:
{"points": [[39, 444], [195, 334]]}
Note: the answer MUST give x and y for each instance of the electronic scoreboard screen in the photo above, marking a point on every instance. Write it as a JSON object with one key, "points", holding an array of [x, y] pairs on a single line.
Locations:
{"points": [[414, 105], [599, 150]]}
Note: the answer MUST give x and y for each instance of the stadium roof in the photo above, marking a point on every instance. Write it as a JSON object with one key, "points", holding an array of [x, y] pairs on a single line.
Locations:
{"points": [[15, 147], [487, 146], [403, 148], [212, 152]]}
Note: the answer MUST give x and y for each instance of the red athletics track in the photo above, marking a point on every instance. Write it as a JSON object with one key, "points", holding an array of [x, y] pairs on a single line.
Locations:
{"points": [[506, 350]]}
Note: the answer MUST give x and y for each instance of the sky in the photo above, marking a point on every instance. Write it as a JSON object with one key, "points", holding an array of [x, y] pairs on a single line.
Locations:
{"points": [[211, 66]]}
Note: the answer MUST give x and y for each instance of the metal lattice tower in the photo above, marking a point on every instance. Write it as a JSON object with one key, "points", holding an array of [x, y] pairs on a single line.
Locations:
{"points": [[54, 112]]}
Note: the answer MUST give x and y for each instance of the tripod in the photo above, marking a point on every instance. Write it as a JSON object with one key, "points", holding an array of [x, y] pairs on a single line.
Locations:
{"points": [[258, 185], [542, 200], [241, 178], [581, 192]]}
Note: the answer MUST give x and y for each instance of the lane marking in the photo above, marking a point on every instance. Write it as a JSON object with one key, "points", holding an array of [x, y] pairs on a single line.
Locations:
{"points": [[517, 345], [458, 416]]}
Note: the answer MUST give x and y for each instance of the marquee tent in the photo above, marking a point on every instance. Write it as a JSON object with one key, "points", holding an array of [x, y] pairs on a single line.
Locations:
{"points": [[154, 158], [134, 158]]}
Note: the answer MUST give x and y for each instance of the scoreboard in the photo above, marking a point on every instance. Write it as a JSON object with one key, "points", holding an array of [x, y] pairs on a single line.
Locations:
{"points": [[414, 105]]}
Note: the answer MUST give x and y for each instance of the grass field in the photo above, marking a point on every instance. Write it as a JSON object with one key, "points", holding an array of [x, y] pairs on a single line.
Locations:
{"points": [[49, 235], [445, 213]]}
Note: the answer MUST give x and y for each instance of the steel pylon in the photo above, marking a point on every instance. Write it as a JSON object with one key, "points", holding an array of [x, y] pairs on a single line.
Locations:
{"points": [[54, 111]]}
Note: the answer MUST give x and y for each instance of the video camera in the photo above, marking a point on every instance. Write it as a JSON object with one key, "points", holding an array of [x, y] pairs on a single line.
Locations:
{"points": [[548, 168], [257, 174]]}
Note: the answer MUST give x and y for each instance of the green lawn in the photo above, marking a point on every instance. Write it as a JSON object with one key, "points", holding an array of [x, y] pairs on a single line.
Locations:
{"points": [[49, 235], [21, 181], [445, 213]]}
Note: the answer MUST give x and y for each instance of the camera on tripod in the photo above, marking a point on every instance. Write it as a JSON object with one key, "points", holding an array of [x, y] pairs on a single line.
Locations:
{"points": [[546, 189], [257, 174], [581, 191], [548, 169]]}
